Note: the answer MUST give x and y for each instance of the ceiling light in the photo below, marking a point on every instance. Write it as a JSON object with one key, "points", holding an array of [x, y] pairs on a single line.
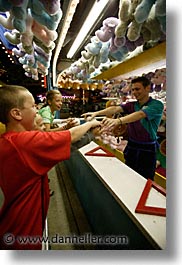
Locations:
{"points": [[67, 21], [92, 17]]}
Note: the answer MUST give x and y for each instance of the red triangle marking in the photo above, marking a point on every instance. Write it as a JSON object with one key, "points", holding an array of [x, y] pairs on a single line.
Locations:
{"points": [[93, 152], [142, 208]]}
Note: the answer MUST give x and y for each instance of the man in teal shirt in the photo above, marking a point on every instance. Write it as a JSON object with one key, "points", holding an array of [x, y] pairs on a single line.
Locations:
{"points": [[142, 117]]}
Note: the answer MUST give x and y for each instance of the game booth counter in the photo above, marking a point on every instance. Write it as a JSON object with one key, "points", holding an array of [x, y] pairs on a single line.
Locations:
{"points": [[117, 200]]}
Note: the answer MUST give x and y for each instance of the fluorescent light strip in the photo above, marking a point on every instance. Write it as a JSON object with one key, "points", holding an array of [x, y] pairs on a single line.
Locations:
{"points": [[67, 21], [92, 17]]}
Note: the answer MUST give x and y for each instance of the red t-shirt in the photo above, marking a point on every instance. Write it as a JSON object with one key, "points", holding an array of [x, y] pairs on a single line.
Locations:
{"points": [[25, 159]]}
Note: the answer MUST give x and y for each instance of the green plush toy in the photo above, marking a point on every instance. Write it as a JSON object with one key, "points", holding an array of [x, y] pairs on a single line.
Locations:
{"points": [[152, 24], [143, 9], [128, 26], [39, 13], [18, 14]]}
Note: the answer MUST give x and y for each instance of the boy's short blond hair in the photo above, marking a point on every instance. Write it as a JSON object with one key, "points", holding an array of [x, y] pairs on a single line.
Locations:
{"points": [[10, 97]]}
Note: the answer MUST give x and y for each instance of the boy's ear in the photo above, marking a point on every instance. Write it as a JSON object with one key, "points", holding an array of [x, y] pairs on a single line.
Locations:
{"points": [[16, 114]]}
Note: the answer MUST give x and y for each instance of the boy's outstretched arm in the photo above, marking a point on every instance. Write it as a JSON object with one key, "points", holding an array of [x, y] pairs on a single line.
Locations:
{"points": [[78, 131]]}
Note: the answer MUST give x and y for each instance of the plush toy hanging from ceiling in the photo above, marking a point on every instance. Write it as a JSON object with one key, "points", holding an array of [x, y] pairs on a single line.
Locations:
{"points": [[33, 25], [139, 22], [159, 78]]}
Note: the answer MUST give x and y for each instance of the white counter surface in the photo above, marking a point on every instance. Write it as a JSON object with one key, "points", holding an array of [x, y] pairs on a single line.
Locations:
{"points": [[127, 186]]}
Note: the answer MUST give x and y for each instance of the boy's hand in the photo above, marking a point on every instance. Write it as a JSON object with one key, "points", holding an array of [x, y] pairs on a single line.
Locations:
{"points": [[96, 131], [71, 122], [94, 123]]}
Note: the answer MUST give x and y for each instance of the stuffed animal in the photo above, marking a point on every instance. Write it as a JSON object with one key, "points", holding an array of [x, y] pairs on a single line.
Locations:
{"points": [[13, 37], [141, 19], [144, 8], [6, 20], [28, 60], [94, 46], [39, 43], [31, 72], [107, 31], [42, 33], [39, 13], [119, 55], [19, 50], [42, 53], [109, 138], [127, 24], [51, 6], [159, 77], [160, 8], [160, 12], [47, 13], [104, 52], [26, 37], [153, 26], [32, 27], [96, 52], [16, 18], [143, 11]]}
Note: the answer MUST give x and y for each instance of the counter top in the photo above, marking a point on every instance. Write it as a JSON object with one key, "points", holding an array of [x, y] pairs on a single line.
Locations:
{"points": [[126, 186]]}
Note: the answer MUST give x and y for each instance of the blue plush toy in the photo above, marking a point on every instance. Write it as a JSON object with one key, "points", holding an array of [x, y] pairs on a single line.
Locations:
{"points": [[39, 13], [119, 55], [94, 46], [18, 14], [143, 10], [104, 52], [32, 26]]}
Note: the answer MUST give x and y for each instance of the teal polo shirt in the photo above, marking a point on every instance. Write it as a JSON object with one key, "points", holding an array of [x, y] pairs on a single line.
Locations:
{"points": [[144, 130]]}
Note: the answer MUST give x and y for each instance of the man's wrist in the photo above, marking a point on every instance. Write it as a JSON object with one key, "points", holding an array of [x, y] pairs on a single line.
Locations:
{"points": [[120, 121]]}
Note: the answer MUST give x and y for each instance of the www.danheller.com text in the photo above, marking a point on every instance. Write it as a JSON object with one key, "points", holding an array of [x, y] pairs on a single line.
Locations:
{"points": [[10, 239]]}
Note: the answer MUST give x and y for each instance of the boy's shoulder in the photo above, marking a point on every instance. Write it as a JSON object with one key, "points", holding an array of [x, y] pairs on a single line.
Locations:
{"points": [[20, 135]]}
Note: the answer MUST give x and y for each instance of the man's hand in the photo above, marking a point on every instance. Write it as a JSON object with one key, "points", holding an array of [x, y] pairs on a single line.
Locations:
{"points": [[88, 116], [110, 122]]}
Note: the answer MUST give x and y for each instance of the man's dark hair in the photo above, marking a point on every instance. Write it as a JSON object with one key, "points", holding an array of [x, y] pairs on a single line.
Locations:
{"points": [[141, 79]]}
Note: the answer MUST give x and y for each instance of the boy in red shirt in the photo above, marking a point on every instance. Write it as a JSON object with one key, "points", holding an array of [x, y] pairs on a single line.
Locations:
{"points": [[25, 158]]}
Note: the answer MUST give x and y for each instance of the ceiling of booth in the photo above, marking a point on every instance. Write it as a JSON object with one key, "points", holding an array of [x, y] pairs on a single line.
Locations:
{"points": [[80, 15], [15, 72]]}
